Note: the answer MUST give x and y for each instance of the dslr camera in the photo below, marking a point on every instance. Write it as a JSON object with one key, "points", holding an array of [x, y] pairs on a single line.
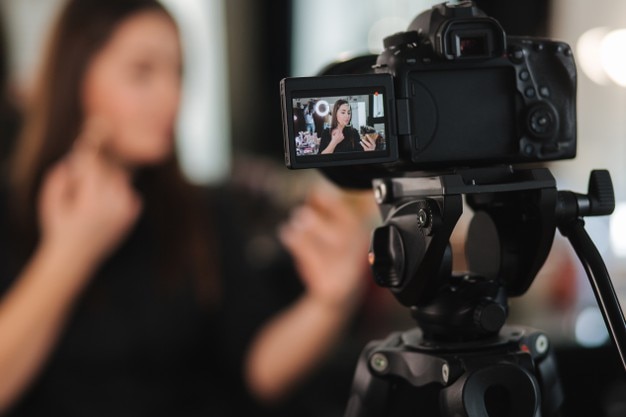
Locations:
{"points": [[452, 91]]}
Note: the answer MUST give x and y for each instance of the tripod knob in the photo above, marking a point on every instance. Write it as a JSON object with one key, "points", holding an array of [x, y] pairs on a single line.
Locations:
{"points": [[601, 193], [599, 200], [489, 316], [386, 256]]}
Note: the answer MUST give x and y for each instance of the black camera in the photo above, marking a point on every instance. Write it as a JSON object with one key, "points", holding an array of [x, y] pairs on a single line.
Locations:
{"points": [[452, 91]]}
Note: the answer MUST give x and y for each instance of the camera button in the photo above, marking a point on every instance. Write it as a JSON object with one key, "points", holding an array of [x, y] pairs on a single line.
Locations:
{"points": [[539, 47], [564, 49], [516, 54], [524, 75], [544, 91], [529, 150], [542, 121], [530, 92]]}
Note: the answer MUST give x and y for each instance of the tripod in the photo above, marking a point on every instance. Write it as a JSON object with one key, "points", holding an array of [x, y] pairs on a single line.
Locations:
{"points": [[462, 360]]}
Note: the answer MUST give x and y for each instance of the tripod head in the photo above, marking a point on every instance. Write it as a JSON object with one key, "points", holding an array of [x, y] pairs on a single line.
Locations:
{"points": [[509, 239], [516, 214]]}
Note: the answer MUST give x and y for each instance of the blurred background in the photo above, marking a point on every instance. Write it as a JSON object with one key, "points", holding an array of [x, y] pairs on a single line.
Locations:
{"points": [[238, 50]]}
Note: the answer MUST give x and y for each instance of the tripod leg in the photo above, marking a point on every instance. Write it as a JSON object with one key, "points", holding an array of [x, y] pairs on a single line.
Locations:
{"points": [[601, 283], [552, 391], [368, 397]]}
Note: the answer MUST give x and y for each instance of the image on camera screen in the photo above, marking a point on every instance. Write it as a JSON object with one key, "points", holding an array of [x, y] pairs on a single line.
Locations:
{"points": [[339, 124], [338, 120]]}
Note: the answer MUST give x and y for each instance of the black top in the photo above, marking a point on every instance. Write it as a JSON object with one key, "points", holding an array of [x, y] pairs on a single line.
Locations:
{"points": [[135, 348], [350, 143]]}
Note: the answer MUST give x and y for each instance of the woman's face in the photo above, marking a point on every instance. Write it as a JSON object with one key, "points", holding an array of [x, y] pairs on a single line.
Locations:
{"points": [[344, 114], [132, 89]]}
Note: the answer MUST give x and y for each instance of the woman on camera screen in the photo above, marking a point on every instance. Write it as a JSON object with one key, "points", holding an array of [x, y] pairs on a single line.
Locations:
{"points": [[341, 136]]}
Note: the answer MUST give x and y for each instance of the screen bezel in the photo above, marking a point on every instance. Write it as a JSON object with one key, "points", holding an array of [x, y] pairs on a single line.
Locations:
{"points": [[333, 86]]}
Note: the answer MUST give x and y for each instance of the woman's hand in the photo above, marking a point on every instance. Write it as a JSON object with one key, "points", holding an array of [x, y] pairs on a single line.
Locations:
{"points": [[328, 238], [336, 137], [86, 205], [368, 143], [329, 241]]}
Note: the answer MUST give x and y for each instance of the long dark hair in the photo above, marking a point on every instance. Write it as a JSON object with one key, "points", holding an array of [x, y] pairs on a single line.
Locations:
{"points": [[334, 122], [9, 112], [54, 121]]}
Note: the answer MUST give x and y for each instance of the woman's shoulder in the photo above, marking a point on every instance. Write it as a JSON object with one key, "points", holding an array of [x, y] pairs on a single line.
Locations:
{"points": [[324, 138], [350, 130], [247, 205]]}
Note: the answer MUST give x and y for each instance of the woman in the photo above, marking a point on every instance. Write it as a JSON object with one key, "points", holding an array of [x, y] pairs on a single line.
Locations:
{"points": [[340, 137], [119, 295]]}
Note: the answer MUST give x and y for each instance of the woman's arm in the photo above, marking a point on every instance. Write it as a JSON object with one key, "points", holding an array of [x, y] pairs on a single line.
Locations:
{"points": [[85, 210], [329, 242], [330, 148], [32, 314]]}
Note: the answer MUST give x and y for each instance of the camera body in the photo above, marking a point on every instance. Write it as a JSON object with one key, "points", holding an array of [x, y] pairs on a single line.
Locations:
{"points": [[457, 93]]}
